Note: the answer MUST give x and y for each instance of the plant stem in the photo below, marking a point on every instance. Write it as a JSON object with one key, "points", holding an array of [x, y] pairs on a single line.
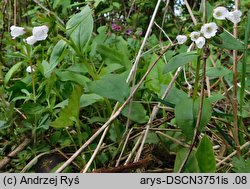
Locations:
{"points": [[197, 77], [197, 126], [33, 81], [235, 78]]}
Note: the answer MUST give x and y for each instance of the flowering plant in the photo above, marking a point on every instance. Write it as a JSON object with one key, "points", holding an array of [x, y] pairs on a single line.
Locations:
{"points": [[39, 33], [209, 30]]}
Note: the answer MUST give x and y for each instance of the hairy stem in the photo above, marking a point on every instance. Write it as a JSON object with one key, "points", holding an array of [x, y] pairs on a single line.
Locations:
{"points": [[235, 78], [197, 126]]}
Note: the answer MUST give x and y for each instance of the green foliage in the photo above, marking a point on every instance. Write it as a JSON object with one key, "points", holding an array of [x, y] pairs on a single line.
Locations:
{"points": [[135, 112], [215, 72], [241, 165], [180, 60], [186, 112], [88, 99], [72, 76], [70, 113], [80, 28], [226, 40], [57, 55], [156, 79], [12, 71], [112, 55], [205, 156], [191, 165], [112, 86]]}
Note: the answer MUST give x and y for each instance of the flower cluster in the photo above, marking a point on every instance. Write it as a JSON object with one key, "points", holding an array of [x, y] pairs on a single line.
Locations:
{"points": [[39, 33], [209, 30], [221, 13], [199, 37]]}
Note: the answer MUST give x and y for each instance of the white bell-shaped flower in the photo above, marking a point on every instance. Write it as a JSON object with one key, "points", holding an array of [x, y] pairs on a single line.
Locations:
{"points": [[220, 13], [234, 16], [209, 30], [31, 40], [40, 32], [16, 31], [195, 35], [181, 39], [200, 42]]}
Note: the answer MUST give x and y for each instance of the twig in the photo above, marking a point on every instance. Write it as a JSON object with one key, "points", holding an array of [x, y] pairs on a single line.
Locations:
{"points": [[173, 139], [35, 159], [166, 35], [208, 87], [133, 150], [12, 154], [18, 111], [190, 12], [123, 148], [49, 11], [164, 17], [131, 8], [113, 117], [232, 154], [156, 108], [126, 168], [134, 67], [154, 113], [99, 144]]}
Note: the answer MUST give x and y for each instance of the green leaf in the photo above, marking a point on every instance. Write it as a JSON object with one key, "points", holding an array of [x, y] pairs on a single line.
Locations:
{"points": [[3, 123], [226, 40], [175, 95], [209, 9], [112, 55], [12, 70], [112, 86], [80, 28], [241, 165], [88, 99], [137, 112], [57, 55], [186, 112], [180, 60], [70, 113], [184, 116], [191, 165], [205, 156], [215, 97], [156, 79], [206, 112], [109, 69], [32, 108], [219, 71], [72, 76]]}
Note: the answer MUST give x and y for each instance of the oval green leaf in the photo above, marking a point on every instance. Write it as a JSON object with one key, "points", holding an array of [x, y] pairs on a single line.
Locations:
{"points": [[80, 27], [12, 70], [180, 60], [205, 156]]}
